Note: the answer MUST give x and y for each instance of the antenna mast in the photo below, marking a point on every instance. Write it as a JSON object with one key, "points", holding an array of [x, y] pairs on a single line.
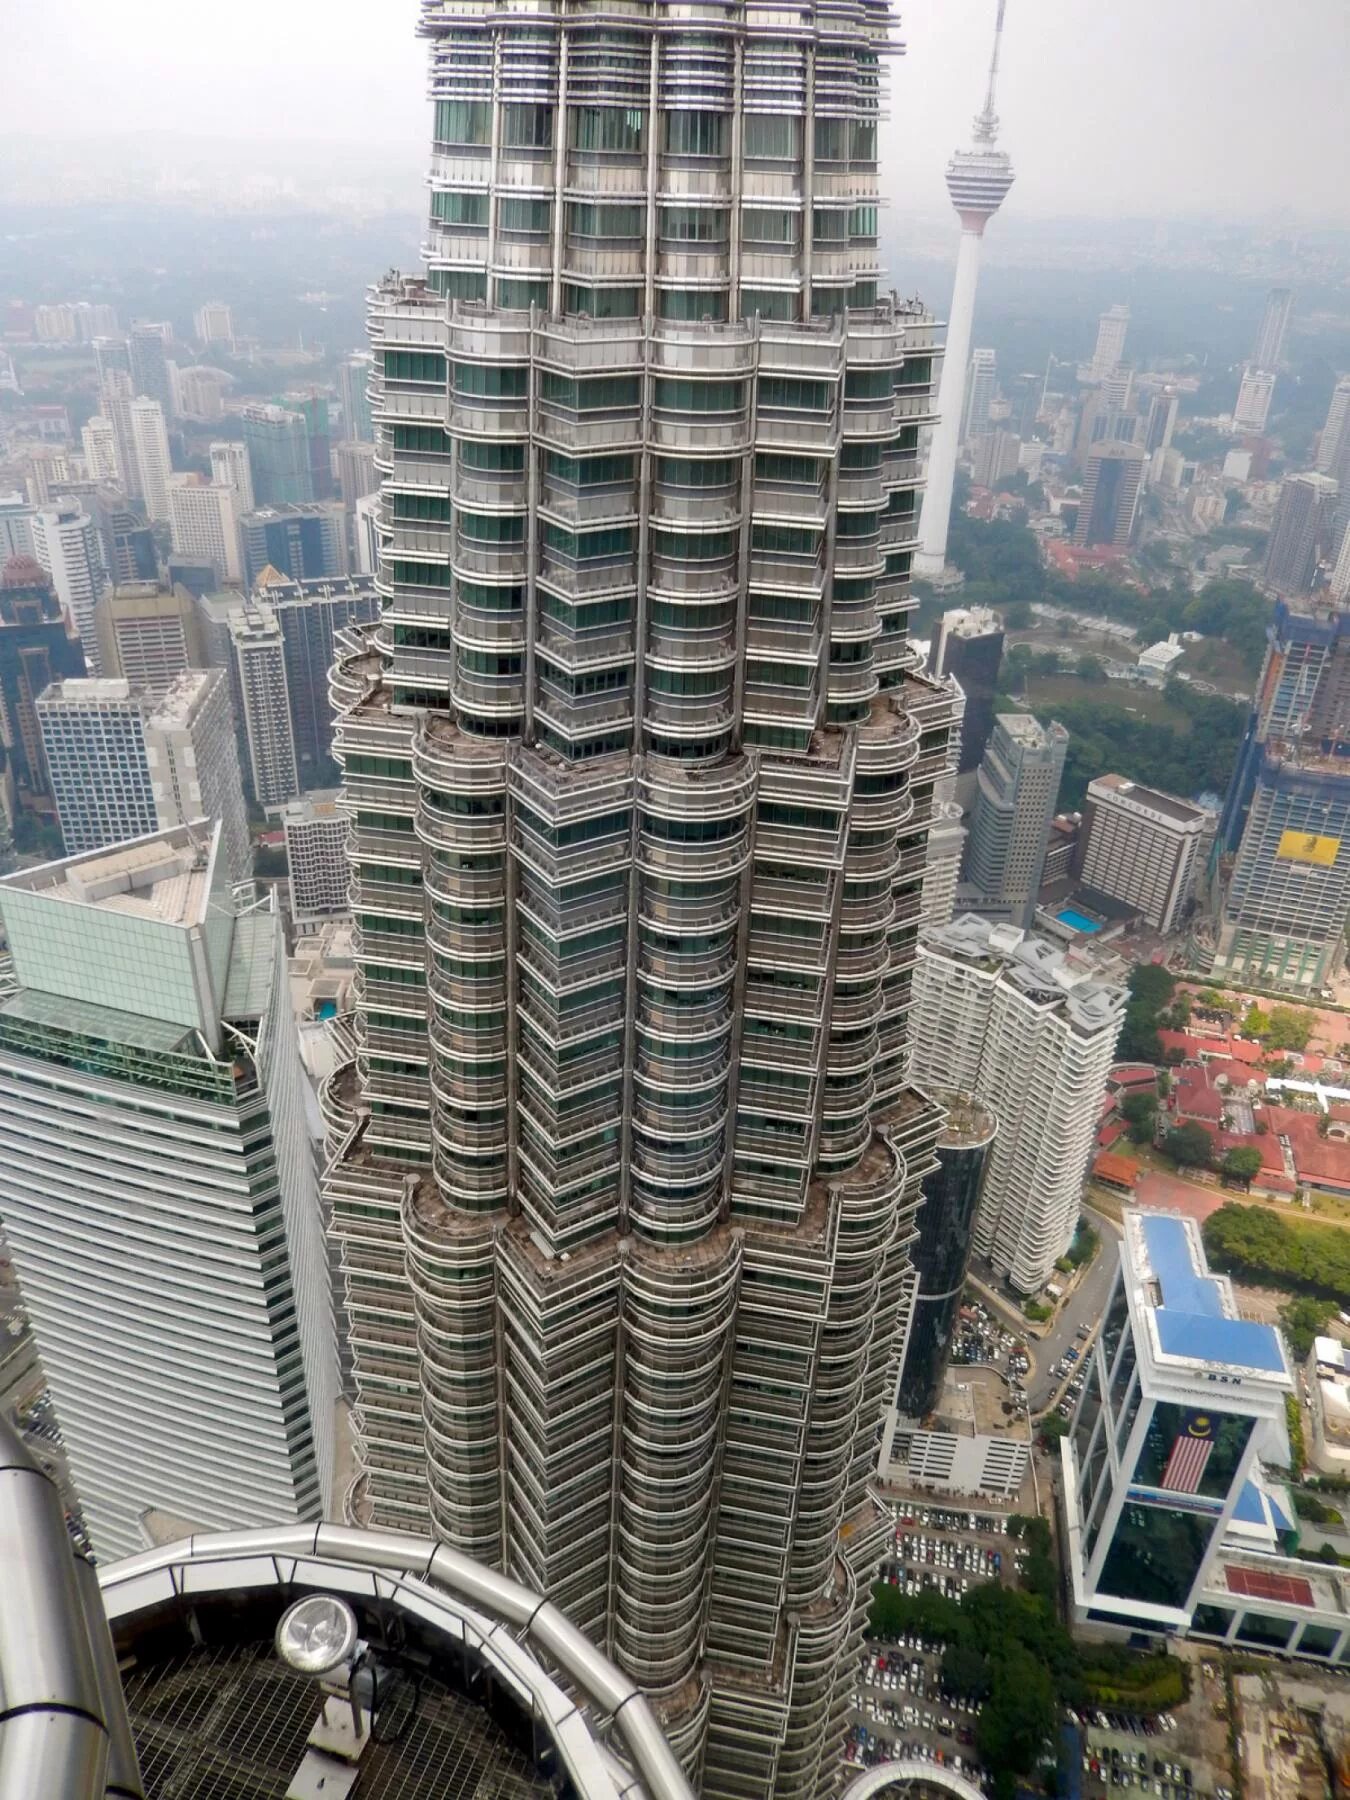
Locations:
{"points": [[986, 123]]}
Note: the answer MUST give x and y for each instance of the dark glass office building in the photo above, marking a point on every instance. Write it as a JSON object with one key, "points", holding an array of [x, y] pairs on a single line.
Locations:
{"points": [[951, 1194]]}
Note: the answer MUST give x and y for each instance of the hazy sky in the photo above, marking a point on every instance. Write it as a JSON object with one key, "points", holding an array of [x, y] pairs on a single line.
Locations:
{"points": [[1146, 107]]}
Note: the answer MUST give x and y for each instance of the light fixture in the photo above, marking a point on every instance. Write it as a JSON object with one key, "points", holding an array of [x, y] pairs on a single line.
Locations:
{"points": [[317, 1634]]}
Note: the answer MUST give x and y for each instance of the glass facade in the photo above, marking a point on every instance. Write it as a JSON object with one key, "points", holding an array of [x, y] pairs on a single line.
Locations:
{"points": [[1155, 1554], [1227, 1435]]}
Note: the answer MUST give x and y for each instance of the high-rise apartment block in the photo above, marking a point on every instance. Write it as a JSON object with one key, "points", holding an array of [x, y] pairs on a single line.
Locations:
{"points": [[317, 829], [260, 690], [230, 468], [16, 527], [148, 634], [968, 645], [199, 393], [277, 442], [1015, 797], [67, 546], [353, 376], [1285, 829], [99, 442], [116, 396], [1109, 351], [149, 365], [124, 763], [638, 758], [1142, 848], [310, 615], [302, 542], [1268, 350], [1252, 407], [204, 523], [1301, 533], [158, 1193], [127, 540], [38, 646], [1013, 1021], [981, 390], [1112, 477], [150, 441], [312, 407], [1333, 446], [357, 476], [1181, 1396], [941, 1253], [214, 323]]}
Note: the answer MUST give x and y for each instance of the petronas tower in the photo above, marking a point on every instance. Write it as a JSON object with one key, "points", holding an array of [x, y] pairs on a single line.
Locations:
{"points": [[624, 1163]]}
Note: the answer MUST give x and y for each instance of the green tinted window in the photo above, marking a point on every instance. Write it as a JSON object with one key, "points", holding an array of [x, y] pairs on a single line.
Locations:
{"points": [[463, 121]]}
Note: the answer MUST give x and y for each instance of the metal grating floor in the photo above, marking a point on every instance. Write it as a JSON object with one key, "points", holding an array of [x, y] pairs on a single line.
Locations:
{"points": [[232, 1724]]}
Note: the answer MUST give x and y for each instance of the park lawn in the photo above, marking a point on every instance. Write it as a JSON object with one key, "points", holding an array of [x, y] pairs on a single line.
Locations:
{"points": [[1215, 660], [1138, 701], [1330, 1206]]}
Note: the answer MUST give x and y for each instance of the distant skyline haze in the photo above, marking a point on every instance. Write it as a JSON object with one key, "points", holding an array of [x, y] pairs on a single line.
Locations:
{"points": [[1229, 108]]}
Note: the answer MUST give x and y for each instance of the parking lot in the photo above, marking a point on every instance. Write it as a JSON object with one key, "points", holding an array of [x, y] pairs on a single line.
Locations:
{"points": [[899, 1706], [1070, 1364], [979, 1337], [1123, 1755]]}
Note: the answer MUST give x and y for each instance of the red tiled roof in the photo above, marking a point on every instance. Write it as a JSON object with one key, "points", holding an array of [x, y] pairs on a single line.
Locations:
{"points": [[1244, 1051], [1196, 1099], [1110, 1134], [1111, 1167], [1133, 1075]]}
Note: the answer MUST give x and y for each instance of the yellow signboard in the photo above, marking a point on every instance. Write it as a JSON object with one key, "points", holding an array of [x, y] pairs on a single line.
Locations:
{"points": [[1304, 847]]}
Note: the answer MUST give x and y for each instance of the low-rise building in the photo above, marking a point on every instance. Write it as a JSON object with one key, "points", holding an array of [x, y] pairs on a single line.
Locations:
{"points": [[1329, 1403]]}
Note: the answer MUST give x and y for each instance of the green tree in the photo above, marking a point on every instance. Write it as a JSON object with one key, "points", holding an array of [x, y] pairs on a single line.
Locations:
{"points": [[1258, 1245], [1189, 1146], [1255, 1023], [1304, 1319], [1241, 1163], [1051, 1429], [1017, 616], [965, 1670], [1140, 1112], [1290, 1028], [1090, 668]]}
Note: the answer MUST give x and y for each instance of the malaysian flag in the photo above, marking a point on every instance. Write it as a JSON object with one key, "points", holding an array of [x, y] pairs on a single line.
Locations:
{"points": [[1186, 1465]]}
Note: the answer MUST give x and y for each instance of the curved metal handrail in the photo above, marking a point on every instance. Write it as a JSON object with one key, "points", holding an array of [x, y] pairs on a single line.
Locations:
{"points": [[906, 1769]]}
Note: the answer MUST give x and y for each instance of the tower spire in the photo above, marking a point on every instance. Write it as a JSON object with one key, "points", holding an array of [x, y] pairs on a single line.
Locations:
{"points": [[986, 121]]}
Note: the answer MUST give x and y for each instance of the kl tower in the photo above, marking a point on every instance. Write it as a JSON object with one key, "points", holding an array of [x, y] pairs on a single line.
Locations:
{"points": [[978, 181]]}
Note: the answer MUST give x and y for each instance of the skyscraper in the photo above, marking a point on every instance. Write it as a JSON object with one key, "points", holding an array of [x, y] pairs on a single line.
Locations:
{"points": [[312, 407], [158, 1192], [357, 475], [67, 546], [150, 439], [941, 1255], [1112, 477], [981, 387], [124, 763], [1181, 1395], [1109, 351], [1142, 847], [317, 829], [968, 645], [214, 323], [100, 450], [230, 467], [149, 365], [1268, 350], [38, 645], [354, 373], [115, 406], [16, 526], [148, 634], [1301, 532], [640, 717], [310, 614], [1334, 442], [304, 541], [204, 523], [978, 181], [1005, 1017], [259, 688], [1252, 407], [277, 443], [1015, 796]]}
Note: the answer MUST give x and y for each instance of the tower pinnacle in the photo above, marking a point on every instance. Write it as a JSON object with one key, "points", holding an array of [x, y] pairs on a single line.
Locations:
{"points": [[986, 120]]}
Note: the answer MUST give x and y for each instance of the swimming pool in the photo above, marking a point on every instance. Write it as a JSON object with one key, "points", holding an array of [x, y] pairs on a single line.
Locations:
{"points": [[1077, 921]]}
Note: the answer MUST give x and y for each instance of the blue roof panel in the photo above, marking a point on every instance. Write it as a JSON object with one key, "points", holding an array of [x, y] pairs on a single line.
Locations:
{"points": [[1169, 1251], [1249, 1508], [1241, 1343]]}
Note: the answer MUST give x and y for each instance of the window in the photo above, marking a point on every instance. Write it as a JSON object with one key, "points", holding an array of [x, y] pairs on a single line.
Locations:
{"points": [[693, 546], [616, 130], [596, 393], [1265, 1629], [1222, 1440], [486, 598], [463, 122], [696, 134], [516, 213], [681, 394], [769, 304], [1155, 1554], [421, 506], [527, 127], [519, 296], [492, 528], [773, 136], [691, 471], [492, 381], [602, 302], [869, 384], [586, 219], [863, 141], [785, 540], [832, 140], [858, 525], [694, 224], [829, 227], [414, 365], [855, 459], [826, 301], [862, 222], [467, 210], [416, 574], [611, 544], [690, 304], [459, 284], [1211, 1621], [589, 471], [779, 230], [863, 293], [770, 466], [496, 459], [789, 391], [915, 371], [422, 440]]}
